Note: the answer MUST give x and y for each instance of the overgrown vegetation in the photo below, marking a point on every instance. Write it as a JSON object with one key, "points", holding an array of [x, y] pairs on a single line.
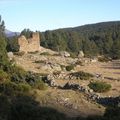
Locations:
{"points": [[19, 53], [40, 85], [104, 59], [70, 67], [3, 76], [40, 61], [94, 39], [45, 53], [82, 75], [33, 52], [11, 88], [12, 44], [100, 86]]}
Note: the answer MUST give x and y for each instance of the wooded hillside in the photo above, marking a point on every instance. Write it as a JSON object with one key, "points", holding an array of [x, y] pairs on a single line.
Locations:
{"points": [[94, 39]]}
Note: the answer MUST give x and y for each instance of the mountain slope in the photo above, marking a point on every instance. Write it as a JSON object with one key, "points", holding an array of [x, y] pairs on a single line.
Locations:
{"points": [[93, 39], [9, 33]]}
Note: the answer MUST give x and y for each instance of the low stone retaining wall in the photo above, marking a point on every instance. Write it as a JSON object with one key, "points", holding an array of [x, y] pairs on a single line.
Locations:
{"points": [[89, 93]]}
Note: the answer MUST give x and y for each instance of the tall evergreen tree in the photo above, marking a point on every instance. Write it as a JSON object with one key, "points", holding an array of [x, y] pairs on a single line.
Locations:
{"points": [[3, 55]]}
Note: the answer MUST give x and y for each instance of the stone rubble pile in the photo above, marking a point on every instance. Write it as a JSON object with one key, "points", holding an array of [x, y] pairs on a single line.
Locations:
{"points": [[86, 90]]}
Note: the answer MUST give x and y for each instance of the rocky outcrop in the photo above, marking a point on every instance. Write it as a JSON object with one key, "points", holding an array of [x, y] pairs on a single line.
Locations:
{"points": [[29, 45], [51, 81], [89, 93]]}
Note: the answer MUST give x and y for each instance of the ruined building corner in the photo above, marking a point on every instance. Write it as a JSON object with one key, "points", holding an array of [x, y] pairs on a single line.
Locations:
{"points": [[29, 45]]}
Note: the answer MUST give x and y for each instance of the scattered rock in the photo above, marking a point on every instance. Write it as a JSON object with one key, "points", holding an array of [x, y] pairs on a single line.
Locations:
{"points": [[80, 54], [10, 55], [64, 54]]}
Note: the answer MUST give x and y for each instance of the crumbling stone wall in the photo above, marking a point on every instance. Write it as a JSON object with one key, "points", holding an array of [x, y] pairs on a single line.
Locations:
{"points": [[29, 45]]}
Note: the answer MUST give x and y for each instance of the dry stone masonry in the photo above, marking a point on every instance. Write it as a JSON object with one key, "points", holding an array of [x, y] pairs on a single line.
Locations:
{"points": [[29, 45]]}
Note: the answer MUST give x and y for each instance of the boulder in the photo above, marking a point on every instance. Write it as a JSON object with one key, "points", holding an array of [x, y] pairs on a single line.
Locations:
{"points": [[71, 86], [80, 54], [10, 55], [64, 54]]}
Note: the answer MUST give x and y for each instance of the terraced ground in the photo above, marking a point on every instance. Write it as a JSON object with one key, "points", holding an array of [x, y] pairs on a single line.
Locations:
{"points": [[73, 103]]}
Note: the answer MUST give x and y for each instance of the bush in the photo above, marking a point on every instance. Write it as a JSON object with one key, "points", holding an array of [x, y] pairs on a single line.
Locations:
{"points": [[63, 67], [113, 113], [56, 72], [82, 75], [24, 87], [103, 59], [73, 55], [4, 107], [100, 86], [40, 61], [40, 85], [19, 53], [3, 76], [26, 108], [11, 88], [79, 63], [32, 78], [69, 67], [35, 52], [45, 53], [17, 74]]}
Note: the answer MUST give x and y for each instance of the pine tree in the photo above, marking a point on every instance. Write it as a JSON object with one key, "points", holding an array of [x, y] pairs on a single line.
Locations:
{"points": [[3, 53]]}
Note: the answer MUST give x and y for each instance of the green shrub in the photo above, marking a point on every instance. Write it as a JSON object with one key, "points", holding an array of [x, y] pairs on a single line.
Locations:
{"points": [[4, 107], [63, 67], [3, 76], [56, 54], [19, 53], [103, 59], [73, 55], [11, 88], [18, 74], [45, 53], [35, 52], [82, 75], [36, 80], [40, 85], [8, 88], [113, 113], [27, 108], [69, 67], [24, 87], [40, 61], [79, 63], [100, 86], [56, 72]]}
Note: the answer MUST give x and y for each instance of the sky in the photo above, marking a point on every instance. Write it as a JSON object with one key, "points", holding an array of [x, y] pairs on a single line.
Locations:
{"points": [[44, 15]]}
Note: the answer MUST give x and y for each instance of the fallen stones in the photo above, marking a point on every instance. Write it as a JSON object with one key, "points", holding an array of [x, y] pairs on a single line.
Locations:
{"points": [[110, 101], [86, 90], [80, 54], [10, 55], [64, 54], [51, 81], [70, 86]]}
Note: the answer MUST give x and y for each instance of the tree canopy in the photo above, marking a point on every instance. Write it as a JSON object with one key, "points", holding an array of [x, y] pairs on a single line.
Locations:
{"points": [[94, 39]]}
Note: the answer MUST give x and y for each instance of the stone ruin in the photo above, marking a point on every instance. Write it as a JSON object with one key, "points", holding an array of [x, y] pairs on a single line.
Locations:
{"points": [[29, 45]]}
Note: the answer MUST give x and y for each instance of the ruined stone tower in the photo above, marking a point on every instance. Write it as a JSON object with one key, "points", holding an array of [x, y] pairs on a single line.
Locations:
{"points": [[29, 45]]}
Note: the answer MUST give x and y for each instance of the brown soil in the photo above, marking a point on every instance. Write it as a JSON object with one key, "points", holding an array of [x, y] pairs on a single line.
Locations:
{"points": [[54, 97]]}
